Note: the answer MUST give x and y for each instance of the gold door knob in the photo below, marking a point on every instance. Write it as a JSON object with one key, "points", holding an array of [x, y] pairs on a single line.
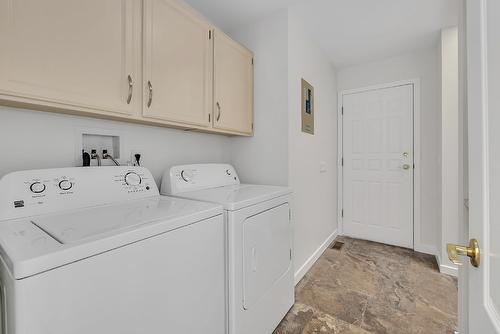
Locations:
{"points": [[454, 251], [406, 166]]}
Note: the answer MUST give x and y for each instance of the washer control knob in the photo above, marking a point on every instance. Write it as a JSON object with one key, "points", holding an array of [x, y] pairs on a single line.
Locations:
{"points": [[65, 185], [132, 179], [37, 187], [228, 172], [187, 175]]}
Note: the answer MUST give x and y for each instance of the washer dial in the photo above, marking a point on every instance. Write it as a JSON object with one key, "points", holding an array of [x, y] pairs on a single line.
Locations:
{"points": [[132, 179], [37, 187], [187, 175], [65, 185]]}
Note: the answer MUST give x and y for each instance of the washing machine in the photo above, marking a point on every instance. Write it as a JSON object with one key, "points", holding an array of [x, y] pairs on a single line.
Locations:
{"points": [[98, 250], [259, 268]]}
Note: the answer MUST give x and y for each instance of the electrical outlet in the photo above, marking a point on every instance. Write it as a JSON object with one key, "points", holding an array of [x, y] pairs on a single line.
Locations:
{"points": [[133, 158]]}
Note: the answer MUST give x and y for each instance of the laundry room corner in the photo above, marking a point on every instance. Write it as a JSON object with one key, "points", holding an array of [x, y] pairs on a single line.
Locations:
{"points": [[312, 158], [284, 55]]}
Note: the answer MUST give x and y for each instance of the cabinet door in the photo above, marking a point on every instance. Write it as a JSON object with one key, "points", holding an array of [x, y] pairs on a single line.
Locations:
{"points": [[72, 53], [233, 86], [177, 64]]}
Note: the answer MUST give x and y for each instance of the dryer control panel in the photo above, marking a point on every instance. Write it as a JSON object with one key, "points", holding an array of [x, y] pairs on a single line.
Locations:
{"points": [[186, 178], [34, 192]]}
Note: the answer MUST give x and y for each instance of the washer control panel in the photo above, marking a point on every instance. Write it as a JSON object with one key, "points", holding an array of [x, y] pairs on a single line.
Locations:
{"points": [[197, 177], [29, 193], [41, 185]]}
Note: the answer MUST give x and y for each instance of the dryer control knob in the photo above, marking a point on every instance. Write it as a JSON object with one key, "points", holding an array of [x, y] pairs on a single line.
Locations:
{"points": [[187, 175], [132, 179], [37, 187]]}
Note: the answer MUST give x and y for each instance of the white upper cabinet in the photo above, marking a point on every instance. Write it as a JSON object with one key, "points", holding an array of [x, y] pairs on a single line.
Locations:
{"points": [[72, 54], [233, 86], [177, 64]]}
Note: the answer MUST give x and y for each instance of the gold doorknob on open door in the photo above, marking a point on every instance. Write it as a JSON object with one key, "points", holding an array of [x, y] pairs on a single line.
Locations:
{"points": [[454, 251], [406, 166]]}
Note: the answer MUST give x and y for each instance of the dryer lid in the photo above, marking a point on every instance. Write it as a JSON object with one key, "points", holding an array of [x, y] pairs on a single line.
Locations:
{"points": [[236, 197]]}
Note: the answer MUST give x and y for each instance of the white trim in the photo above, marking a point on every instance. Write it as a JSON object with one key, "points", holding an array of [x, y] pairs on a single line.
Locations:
{"points": [[417, 243], [340, 145], [417, 160], [380, 86], [300, 273], [446, 269], [426, 249]]}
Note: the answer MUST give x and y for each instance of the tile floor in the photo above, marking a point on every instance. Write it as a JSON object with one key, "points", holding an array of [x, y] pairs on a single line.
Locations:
{"points": [[368, 287]]}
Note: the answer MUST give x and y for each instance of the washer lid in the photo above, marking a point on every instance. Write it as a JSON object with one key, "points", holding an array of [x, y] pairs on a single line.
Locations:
{"points": [[102, 221], [235, 197], [36, 244]]}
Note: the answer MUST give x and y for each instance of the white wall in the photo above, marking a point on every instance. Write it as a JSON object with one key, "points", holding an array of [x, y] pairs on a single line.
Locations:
{"points": [[315, 213], [35, 139], [263, 159], [280, 153], [452, 196], [421, 64]]}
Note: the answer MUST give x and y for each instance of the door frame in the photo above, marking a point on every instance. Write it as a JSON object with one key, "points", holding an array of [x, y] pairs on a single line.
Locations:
{"points": [[417, 244]]}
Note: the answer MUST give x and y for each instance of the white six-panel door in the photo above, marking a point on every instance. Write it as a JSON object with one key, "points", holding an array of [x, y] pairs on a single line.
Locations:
{"points": [[483, 103], [378, 165]]}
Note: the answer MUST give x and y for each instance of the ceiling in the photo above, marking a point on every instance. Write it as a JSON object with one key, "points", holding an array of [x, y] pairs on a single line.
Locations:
{"points": [[229, 14], [349, 31]]}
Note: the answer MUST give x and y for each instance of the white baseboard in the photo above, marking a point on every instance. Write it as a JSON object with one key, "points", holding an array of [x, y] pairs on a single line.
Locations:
{"points": [[313, 258], [446, 269], [443, 268], [426, 249]]}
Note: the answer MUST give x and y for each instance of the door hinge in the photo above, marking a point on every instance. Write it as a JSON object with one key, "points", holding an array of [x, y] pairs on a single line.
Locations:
{"points": [[342, 112], [342, 161], [210, 34], [209, 118], [252, 126], [252, 61], [290, 253], [342, 213], [413, 166], [289, 214]]}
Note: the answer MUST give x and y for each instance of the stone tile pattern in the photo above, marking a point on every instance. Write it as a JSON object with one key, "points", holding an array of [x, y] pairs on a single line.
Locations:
{"points": [[368, 287]]}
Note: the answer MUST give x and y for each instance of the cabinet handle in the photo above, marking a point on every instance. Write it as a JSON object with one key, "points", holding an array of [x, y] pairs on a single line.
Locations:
{"points": [[130, 89], [150, 87], [219, 109]]}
